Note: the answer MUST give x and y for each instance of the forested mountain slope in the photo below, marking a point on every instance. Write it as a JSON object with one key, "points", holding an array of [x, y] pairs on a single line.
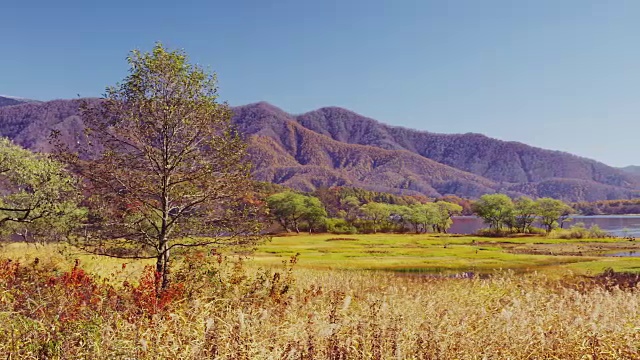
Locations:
{"points": [[333, 146], [501, 161]]}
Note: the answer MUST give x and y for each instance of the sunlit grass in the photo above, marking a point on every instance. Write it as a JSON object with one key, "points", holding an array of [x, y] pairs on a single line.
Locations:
{"points": [[63, 256], [326, 314], [360, 297], [390, 252], [429, 253]]}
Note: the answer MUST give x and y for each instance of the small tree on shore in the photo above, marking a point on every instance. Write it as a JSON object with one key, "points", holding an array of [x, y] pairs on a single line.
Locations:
{"points": [[423, 216], [494, 209], [552, 212], [291, 209], [445, 210], [162, 165], [525, 211], [315, 214], [376, 213]]}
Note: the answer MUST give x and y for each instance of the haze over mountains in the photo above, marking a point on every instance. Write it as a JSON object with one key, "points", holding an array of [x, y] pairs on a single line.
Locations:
{"points": [[10, 100], [632, 169], [336, 147]]}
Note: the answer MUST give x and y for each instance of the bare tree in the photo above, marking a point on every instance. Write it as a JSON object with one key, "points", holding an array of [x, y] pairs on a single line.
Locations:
{"points": [[163, 166]]}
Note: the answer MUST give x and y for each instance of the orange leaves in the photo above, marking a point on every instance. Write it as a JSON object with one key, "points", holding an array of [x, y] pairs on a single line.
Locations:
{"points": [[148, 297], [45, 293]]}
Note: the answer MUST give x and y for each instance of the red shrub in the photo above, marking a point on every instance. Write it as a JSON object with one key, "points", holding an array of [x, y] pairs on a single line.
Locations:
{"points": [[149, 300], [46, 294]]}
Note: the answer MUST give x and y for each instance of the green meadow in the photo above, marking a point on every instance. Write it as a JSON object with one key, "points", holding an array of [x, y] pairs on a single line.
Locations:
{"points": [[411, 253], [449, 254]]}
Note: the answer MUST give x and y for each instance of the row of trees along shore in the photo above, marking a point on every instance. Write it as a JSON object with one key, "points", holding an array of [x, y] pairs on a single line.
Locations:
{"points": [[296, 212], [608, 207], [347, 210]]}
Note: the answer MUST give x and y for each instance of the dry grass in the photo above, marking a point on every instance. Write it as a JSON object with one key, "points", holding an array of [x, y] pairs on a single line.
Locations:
{"points": [[228, 312]]}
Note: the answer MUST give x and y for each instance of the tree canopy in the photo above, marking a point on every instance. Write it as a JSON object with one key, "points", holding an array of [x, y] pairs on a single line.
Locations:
{"points": [[290, 209], [39, 197], [495, 209], [525, 211], [552, 212]]}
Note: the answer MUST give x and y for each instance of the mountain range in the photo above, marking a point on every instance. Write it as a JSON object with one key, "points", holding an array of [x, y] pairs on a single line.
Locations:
{"points": [[336, 147], [10, 100], [632, 169]]}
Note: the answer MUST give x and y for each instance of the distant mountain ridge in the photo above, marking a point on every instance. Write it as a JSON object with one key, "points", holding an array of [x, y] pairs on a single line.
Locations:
{"points": [[508, 167], [287, 153], [10, 100], [501, 161], [631, 169], [337, 147]]}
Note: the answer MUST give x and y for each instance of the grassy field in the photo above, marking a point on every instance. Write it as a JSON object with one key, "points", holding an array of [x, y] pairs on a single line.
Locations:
{"points": [[63, 256], [328, 305], [450, 254], [421, 253], [406, 253]]}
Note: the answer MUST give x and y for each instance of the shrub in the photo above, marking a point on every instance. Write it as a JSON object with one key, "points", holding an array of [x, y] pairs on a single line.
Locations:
{"points": [[579, 231], [537, 231], [340, 226], [493, 232]]}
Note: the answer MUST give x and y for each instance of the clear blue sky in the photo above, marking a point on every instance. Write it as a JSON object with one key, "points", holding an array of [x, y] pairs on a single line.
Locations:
{"points": [[559, 74]]}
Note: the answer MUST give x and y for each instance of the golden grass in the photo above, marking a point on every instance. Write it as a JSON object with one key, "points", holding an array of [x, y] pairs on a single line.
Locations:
{"points": [[63, 257], [339, 314]]}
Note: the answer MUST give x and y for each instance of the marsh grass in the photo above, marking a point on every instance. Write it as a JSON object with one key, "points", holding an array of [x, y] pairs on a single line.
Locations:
{"points": [[226, 308], [63, 256], [426, 252]]}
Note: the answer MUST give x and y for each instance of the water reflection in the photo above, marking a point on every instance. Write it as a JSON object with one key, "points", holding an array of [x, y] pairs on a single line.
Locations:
{"points": [[624, 254], [625, 226]]}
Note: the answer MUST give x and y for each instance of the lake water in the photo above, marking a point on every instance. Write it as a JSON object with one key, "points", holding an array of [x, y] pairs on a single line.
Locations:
{"points": [[614, 224]]}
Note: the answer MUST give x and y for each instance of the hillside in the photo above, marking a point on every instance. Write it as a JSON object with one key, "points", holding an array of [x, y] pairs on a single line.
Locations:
{"points": [[336, 147], [30, 124], [285, 152], [501, 161], [508, 167]]}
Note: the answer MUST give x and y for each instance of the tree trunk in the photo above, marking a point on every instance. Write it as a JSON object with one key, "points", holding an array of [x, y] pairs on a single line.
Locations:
{"points": [[162, 269], [284, 224]]}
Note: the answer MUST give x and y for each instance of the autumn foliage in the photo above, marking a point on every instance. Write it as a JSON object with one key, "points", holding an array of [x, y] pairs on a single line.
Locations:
{"points": [[44, 293]]}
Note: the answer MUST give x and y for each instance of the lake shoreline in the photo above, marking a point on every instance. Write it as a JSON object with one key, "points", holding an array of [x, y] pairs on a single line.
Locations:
{"points": [[616, 225]]}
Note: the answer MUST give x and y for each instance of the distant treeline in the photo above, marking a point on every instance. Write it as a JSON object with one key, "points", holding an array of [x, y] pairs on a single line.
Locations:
{"points": [[353, 210], [608, 207], [345, 210], [329, 195]]}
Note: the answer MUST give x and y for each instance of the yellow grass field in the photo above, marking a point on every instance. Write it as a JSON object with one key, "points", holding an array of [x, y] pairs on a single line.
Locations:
{"points": [[337, 302]]}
